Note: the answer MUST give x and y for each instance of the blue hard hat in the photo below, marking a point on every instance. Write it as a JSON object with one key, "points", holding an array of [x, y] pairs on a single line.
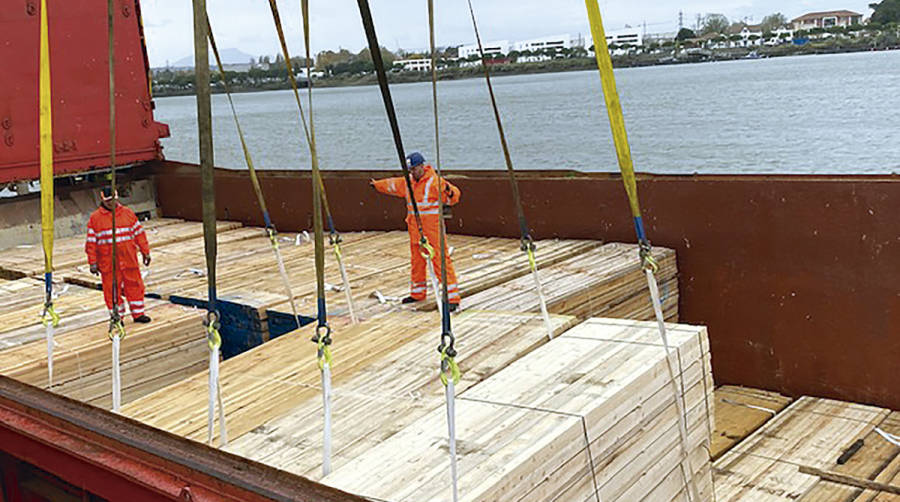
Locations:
{"points": [[415, 159]]}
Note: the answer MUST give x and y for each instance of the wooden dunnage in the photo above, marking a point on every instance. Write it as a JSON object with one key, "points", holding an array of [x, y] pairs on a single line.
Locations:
{"points": [[602, 282], [153, 356], [591, 410], [269, 381], [739, 412], [810, 432], [393, 391]]}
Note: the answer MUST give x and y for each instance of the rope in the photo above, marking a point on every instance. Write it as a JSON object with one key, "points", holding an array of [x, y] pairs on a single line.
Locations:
{"points": [[626, 165], [528, 245], [254, 180], [49, 317], [208, 200], [449, 369]]}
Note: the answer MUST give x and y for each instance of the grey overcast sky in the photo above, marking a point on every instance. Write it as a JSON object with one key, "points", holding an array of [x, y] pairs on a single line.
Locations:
{"points": [[247, 24]]}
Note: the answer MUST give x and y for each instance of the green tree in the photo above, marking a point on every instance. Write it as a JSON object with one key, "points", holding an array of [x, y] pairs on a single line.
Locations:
{"points": [[685, 34], [387, 56], [886, 11], [773, 22], [326, 59], [714, 23]]}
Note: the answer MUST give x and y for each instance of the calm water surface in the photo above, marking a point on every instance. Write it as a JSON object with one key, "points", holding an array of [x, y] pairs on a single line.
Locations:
{"points": [[812, 114]]}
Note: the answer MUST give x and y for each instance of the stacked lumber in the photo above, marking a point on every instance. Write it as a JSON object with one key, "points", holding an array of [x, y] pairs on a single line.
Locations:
{"points": [[811, 433], [392, 391], [175, 256], [269, 381], [258, 271], [22, 302], [154, 355], [739, 412], [28, 260], [607, 281], [589, 414], [480, 263]]}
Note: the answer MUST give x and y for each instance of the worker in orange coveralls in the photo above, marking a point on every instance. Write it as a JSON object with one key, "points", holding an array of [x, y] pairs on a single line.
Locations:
{"points": [[426, 189], [130, 237]]}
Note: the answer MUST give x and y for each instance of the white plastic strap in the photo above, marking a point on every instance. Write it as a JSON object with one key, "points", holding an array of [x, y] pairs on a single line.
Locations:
{"points": [[49, 355], [451, 429], [437, 287], [116, 375], [890, 438], [540, 292], [347, 293], [326, 403], [215, 395], [287, 283], [686, 469]]}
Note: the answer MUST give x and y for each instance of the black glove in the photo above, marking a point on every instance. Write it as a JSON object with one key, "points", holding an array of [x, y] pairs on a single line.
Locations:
{"points": [[95, 269]]}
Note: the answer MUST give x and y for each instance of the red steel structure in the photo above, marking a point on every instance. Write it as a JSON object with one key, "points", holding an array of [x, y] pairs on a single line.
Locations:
{"points": [[79, 86], [54, 449]]}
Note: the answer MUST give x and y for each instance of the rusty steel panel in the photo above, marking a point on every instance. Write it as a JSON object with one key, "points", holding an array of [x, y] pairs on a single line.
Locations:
{"points": [[796, 276], [79, 76]]}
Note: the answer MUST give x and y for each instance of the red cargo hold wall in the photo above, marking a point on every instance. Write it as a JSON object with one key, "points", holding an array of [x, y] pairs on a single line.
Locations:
{"points": [[796, 276], [79, 80]]}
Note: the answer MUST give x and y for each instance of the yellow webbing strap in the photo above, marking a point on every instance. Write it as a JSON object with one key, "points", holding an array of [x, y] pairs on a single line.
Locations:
{"points": [[613, 107], [46, 128], [626, 165]]}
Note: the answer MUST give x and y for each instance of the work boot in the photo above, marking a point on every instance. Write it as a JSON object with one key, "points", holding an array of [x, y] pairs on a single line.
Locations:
{"points": [[143, 319], [408, 299], [453, 307]]}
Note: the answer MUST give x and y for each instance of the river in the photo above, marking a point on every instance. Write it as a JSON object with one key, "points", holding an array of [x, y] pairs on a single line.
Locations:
{"points": [[806, 114]]}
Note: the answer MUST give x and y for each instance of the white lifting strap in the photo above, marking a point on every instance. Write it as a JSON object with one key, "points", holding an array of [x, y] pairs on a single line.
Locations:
{"points": [[686, 469]]}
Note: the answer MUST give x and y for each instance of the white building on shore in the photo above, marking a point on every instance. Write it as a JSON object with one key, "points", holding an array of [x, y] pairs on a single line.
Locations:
{"points": [[495, 49], [417, 64], [624, 40]]}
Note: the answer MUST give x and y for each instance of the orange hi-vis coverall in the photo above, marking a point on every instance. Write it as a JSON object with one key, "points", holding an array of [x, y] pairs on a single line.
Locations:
{"points": [[130, 237], [426, 191]]}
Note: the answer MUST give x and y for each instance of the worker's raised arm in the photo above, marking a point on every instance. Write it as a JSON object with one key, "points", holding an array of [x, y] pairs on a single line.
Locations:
{"points": [[390, 186], [450, 193]]}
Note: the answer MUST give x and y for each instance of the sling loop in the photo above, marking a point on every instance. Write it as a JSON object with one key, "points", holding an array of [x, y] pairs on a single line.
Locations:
{"points": [[649, 265], [309, 134], [322, 337], [116, 327], [378, 61], [254, 179], [528, 246], [49, 317], [208, 201], [450, 373]]}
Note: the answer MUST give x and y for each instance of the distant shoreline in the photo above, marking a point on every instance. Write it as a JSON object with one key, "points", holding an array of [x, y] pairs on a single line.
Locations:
{"points": [[552, 66]]}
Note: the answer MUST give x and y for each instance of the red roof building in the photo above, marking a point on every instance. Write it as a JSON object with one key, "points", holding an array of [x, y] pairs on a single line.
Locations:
{"points": [[827, 19]]}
